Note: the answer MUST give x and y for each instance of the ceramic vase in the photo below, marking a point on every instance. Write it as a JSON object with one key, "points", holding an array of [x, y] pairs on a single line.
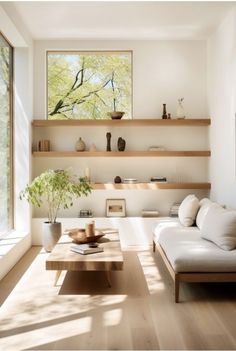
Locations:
{"points": [[80, 145], [51, 235], [164, 114]]}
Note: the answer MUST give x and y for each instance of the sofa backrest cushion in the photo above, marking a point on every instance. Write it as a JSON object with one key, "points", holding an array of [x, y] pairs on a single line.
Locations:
{"points": [[219, 226], [205, 204], [188, 210]]}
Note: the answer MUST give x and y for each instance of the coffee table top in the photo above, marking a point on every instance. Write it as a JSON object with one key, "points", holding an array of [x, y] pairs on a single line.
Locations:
{"points": [[62, 258]]}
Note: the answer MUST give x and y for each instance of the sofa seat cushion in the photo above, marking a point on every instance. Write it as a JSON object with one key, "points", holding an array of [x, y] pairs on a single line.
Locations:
{"points": [[188, 252]]}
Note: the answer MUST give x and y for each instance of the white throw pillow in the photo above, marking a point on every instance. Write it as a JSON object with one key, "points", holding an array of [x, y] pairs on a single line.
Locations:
{"points": [[205, 204], [188, 210], [219, 226]]}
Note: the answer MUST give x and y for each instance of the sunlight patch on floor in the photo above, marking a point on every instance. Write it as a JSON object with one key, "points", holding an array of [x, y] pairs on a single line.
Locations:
{"points": [[153, 278], [112, 317], [50, 333]]}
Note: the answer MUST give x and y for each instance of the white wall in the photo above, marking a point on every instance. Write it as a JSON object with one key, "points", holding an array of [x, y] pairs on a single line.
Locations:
{"points": [[222, 108], [163, 71]]}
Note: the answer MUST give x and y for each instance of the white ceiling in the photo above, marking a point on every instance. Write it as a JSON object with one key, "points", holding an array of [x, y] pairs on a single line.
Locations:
{"points": [[119, 20]]}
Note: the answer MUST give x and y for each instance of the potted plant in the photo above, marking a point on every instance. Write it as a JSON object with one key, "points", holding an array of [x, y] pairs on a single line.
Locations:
{"points": [[115, 114], [56, 188]]}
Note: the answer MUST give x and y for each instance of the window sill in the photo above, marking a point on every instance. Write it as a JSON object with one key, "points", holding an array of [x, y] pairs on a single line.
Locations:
{"points": [[10, 240]]}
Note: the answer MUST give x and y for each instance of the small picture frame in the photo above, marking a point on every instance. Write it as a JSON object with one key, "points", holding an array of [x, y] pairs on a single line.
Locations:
{"points": [[115, 208]]}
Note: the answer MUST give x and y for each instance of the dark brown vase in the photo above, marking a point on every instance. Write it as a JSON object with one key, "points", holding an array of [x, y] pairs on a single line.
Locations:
{"points": [[164, 115]]}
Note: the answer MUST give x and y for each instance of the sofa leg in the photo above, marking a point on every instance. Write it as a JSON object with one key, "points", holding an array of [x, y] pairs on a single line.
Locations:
{"points": [[153, 246], [177, 284]]}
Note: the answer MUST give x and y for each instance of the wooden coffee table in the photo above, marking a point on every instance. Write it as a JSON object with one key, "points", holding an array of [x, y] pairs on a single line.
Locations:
{"points": [[111, 259]]}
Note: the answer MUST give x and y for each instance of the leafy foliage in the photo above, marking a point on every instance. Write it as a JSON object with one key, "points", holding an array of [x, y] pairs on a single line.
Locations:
{"points": [[57, 189], [88, 85]]}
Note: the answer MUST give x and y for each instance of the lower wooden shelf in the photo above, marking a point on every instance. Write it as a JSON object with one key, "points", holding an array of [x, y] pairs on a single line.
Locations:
{"points": [[149, 186]]}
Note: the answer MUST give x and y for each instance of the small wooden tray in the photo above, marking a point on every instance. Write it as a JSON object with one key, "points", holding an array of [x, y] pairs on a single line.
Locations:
{"points": [[79, 236]]}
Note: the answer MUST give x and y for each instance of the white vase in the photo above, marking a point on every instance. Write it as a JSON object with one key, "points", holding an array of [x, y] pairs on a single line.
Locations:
{"points": [[180, 113], [51, 235]]}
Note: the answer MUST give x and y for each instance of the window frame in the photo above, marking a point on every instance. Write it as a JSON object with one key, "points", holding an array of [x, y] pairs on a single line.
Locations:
{"points": [[87, 52], [11, 137]]}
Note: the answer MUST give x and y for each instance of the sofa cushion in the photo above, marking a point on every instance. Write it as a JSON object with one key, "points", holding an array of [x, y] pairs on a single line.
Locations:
{"points": [[205, 204], [219, 226], [188, 210], [188, 252]]}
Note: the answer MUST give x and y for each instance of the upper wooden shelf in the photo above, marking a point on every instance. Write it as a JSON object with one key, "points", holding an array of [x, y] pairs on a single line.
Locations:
{"points": [[123, 122], [165, 153]]}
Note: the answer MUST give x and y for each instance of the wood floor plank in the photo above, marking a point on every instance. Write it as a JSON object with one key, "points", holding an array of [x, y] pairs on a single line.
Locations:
{"points": [[137, 312]]}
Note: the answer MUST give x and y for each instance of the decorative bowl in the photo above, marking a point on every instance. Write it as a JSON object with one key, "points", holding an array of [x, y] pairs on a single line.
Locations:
{"points": [[116, 114], [79, 236]]}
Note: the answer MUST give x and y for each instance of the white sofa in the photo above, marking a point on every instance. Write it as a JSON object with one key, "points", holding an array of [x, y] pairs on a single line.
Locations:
{"points": [[191, 258]]}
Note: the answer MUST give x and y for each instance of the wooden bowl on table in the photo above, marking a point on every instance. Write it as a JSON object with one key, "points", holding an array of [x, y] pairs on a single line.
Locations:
{"points": [[79, 235]]}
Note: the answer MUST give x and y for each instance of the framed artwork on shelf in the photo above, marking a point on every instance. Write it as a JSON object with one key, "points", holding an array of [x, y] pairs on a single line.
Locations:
{"points": [[115, 208]]}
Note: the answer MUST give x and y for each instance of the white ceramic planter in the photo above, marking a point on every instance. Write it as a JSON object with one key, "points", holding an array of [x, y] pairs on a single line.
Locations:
{"points": [[51, 235]]}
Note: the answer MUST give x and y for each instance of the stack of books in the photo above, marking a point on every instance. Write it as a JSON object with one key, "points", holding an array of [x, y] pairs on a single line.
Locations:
{"points": [[150, 213], [158, 179], [156, 148], [129, 180], [85, 249], [174, 209]]}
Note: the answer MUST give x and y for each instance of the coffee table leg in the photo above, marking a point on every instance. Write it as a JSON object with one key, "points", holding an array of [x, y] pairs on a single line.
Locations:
{"points": [[108, 276], [58, 273]]}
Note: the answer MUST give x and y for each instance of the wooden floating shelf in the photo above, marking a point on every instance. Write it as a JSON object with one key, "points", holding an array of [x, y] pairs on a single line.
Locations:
{"points": [[149, 186], [123, 122], [164, 153]]}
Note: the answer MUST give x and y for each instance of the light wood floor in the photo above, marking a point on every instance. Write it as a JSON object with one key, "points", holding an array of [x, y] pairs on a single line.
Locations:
{"points": [[138, 312]]}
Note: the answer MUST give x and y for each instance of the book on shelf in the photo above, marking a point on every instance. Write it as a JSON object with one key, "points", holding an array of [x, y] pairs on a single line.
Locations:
{"points": [[174, 210], [156, 148], [150, 213], [158, 179], [85, 249], [129, 180]]}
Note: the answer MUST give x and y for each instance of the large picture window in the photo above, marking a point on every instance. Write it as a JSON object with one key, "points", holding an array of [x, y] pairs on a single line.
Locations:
{"points": [[6, 184], [89, 85]]}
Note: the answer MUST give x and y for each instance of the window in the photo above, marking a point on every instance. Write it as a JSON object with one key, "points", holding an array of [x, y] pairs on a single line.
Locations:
{"points": [[6, 92], [88, 85]]}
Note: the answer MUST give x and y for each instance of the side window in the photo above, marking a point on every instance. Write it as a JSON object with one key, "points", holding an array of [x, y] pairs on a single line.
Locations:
{"points": [[6, 124]]}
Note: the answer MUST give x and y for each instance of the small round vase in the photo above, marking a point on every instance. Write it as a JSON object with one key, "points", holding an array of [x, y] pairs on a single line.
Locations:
{"points": [[80, 145]]}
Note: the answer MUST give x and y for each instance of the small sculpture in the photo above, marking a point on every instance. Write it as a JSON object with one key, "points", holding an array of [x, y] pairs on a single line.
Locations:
{"points": [[121, 144], [108, 135], [164, 114], [117, 179]]}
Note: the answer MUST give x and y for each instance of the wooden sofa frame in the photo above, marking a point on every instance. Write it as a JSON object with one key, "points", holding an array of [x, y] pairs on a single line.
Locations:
{"points": [[193, 277]]}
